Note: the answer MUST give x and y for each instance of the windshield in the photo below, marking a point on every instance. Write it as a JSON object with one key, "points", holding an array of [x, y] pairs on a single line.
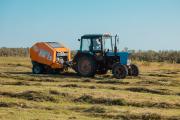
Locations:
{"points": [[108, 45], [91, 44], [86, 45]]}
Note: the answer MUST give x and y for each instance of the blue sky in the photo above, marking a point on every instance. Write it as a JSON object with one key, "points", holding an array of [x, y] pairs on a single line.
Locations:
{"points": [[141, 24]]}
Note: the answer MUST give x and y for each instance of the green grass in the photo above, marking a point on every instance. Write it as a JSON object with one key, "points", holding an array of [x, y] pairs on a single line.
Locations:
{"points": [[155, 94]]}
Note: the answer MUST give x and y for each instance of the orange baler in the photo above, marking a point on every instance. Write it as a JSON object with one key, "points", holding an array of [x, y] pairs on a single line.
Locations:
{"points": [[49, 57]]}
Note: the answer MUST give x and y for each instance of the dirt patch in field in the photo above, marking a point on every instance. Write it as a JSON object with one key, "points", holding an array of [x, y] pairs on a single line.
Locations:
{"points": [[30, 95]]}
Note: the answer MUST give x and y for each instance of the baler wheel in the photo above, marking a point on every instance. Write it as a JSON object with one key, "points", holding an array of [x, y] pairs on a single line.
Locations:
{"points": [[37, 69]]}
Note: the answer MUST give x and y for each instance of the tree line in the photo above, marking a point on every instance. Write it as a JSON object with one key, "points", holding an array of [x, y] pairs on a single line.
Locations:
{"points": [[6, 52], [150, 55], [157, 56]]}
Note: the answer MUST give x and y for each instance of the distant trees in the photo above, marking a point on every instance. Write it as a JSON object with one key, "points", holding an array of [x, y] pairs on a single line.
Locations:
{"points": [[154, 56], [5, 52], [150, 55]]}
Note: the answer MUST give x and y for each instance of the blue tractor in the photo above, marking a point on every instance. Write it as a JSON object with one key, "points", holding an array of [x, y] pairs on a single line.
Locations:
{"points": [[98, 53]]}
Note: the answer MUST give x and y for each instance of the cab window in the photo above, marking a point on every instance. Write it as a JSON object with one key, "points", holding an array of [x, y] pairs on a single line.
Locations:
{"points": [[86, 44]]}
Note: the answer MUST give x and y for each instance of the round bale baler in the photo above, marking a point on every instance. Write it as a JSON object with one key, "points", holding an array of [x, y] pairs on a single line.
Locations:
{"points": [[49, 57]]}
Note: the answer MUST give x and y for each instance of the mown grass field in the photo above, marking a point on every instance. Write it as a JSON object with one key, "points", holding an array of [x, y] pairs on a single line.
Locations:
{"points": [[155, 94]]}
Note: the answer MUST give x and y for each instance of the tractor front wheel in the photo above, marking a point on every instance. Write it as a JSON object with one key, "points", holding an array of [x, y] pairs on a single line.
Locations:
{"points": [[133, 70], [119, 71]]}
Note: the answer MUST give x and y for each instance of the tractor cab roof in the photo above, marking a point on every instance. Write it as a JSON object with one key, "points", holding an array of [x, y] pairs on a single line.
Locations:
{"points": [[86, 36]]}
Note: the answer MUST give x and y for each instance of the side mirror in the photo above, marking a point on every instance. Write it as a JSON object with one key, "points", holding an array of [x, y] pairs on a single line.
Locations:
{"points": [[79, 39]]}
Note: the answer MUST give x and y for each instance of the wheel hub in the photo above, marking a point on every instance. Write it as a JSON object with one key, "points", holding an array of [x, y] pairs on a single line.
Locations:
{"points": [[85, 66], [118, 71]]}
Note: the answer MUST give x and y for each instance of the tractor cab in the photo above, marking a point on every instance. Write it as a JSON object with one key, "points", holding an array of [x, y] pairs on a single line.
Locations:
{"points": [[91, 43], [103, 45], [97, 43], [99, 53]]}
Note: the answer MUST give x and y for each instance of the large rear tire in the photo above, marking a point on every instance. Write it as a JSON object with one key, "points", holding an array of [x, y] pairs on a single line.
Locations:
{"points": [[86, 66], [119, 71]]}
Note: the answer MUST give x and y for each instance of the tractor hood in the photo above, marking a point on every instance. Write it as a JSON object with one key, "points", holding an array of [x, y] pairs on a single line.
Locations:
{"points": [[123, 56]]}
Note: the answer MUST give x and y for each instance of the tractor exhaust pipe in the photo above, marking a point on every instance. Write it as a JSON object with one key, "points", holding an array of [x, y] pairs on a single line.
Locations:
{"points": [[115, 47]]}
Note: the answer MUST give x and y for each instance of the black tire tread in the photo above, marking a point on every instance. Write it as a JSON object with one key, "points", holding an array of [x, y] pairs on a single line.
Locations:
{"points": [[124, 74]]}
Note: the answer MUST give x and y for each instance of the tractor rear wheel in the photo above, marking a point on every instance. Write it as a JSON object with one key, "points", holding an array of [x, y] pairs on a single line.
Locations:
{"points": [[86, 66], [37, 69], [119, 71], [133, 70]]}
